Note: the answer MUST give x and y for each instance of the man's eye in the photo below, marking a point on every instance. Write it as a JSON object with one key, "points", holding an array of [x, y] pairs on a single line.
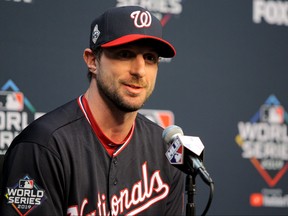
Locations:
{"points": [[125, 54], [151, 58]]}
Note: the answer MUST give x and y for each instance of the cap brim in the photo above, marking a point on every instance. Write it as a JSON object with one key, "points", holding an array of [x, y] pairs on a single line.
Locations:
{"points": [[164, 48]]}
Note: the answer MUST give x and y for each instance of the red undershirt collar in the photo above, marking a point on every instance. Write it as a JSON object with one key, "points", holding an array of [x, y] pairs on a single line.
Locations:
{"points": [[108, 144]]}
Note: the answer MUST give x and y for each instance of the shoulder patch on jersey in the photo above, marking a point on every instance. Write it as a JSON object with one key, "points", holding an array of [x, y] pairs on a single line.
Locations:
{"points": [[25, 195]]}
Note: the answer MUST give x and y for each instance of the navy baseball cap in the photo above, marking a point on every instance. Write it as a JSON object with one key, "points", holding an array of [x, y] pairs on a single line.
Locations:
{"points": [[121, 25]]}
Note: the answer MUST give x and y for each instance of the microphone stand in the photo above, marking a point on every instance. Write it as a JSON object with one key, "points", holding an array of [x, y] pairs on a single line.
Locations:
{"points": [[191, 185], [190, 190]]}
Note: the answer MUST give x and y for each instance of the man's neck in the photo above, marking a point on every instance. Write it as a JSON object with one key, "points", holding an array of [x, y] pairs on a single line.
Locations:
{"points": [[114, 123]]}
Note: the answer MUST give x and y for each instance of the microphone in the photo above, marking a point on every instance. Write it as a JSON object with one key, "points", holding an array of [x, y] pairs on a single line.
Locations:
{"points": [[185, 152]]}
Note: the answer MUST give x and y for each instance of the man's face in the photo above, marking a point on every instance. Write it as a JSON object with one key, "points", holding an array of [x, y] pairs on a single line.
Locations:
{"points": [[126, 75]]}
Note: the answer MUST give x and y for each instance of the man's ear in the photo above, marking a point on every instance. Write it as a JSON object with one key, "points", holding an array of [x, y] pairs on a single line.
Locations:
{"points": [[90, 58]]}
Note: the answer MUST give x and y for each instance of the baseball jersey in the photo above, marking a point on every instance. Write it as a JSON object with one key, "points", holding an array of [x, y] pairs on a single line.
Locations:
{"points": [[57, 166]]}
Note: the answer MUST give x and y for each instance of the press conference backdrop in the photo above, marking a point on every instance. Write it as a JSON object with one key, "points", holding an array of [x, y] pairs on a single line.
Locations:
{"points": [[227, 84]]}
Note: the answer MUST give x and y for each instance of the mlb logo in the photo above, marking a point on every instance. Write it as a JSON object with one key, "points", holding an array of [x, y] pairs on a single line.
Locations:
{"points": [[164, 118], [177, 158], [11, 101], [26, 184], [175, 153], [272, 114]]}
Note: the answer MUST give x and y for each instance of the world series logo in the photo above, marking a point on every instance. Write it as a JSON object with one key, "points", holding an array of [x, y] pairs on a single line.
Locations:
{"points": [[16, 112], [264, 141], [25, 195]]}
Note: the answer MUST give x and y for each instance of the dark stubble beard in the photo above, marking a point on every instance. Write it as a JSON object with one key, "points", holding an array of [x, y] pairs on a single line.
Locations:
{"points": [[113, 97]]}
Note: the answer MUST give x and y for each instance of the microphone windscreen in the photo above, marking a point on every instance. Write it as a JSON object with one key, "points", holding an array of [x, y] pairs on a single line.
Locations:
{"points": [[170, 132]]}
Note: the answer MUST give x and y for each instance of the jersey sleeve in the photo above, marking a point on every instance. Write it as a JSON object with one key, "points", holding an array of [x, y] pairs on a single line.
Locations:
{"points": [[33, 182]]}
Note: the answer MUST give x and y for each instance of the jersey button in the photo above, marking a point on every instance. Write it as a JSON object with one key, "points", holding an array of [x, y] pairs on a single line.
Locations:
{"points": [[115, 161], [115, 182]]}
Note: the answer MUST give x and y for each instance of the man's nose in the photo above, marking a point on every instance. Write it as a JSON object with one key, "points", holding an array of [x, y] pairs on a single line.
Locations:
{"points": [[138, 66]]}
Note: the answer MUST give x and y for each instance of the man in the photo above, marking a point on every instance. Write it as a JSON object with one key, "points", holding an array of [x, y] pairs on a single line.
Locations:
{"points": [[96, 155]]}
